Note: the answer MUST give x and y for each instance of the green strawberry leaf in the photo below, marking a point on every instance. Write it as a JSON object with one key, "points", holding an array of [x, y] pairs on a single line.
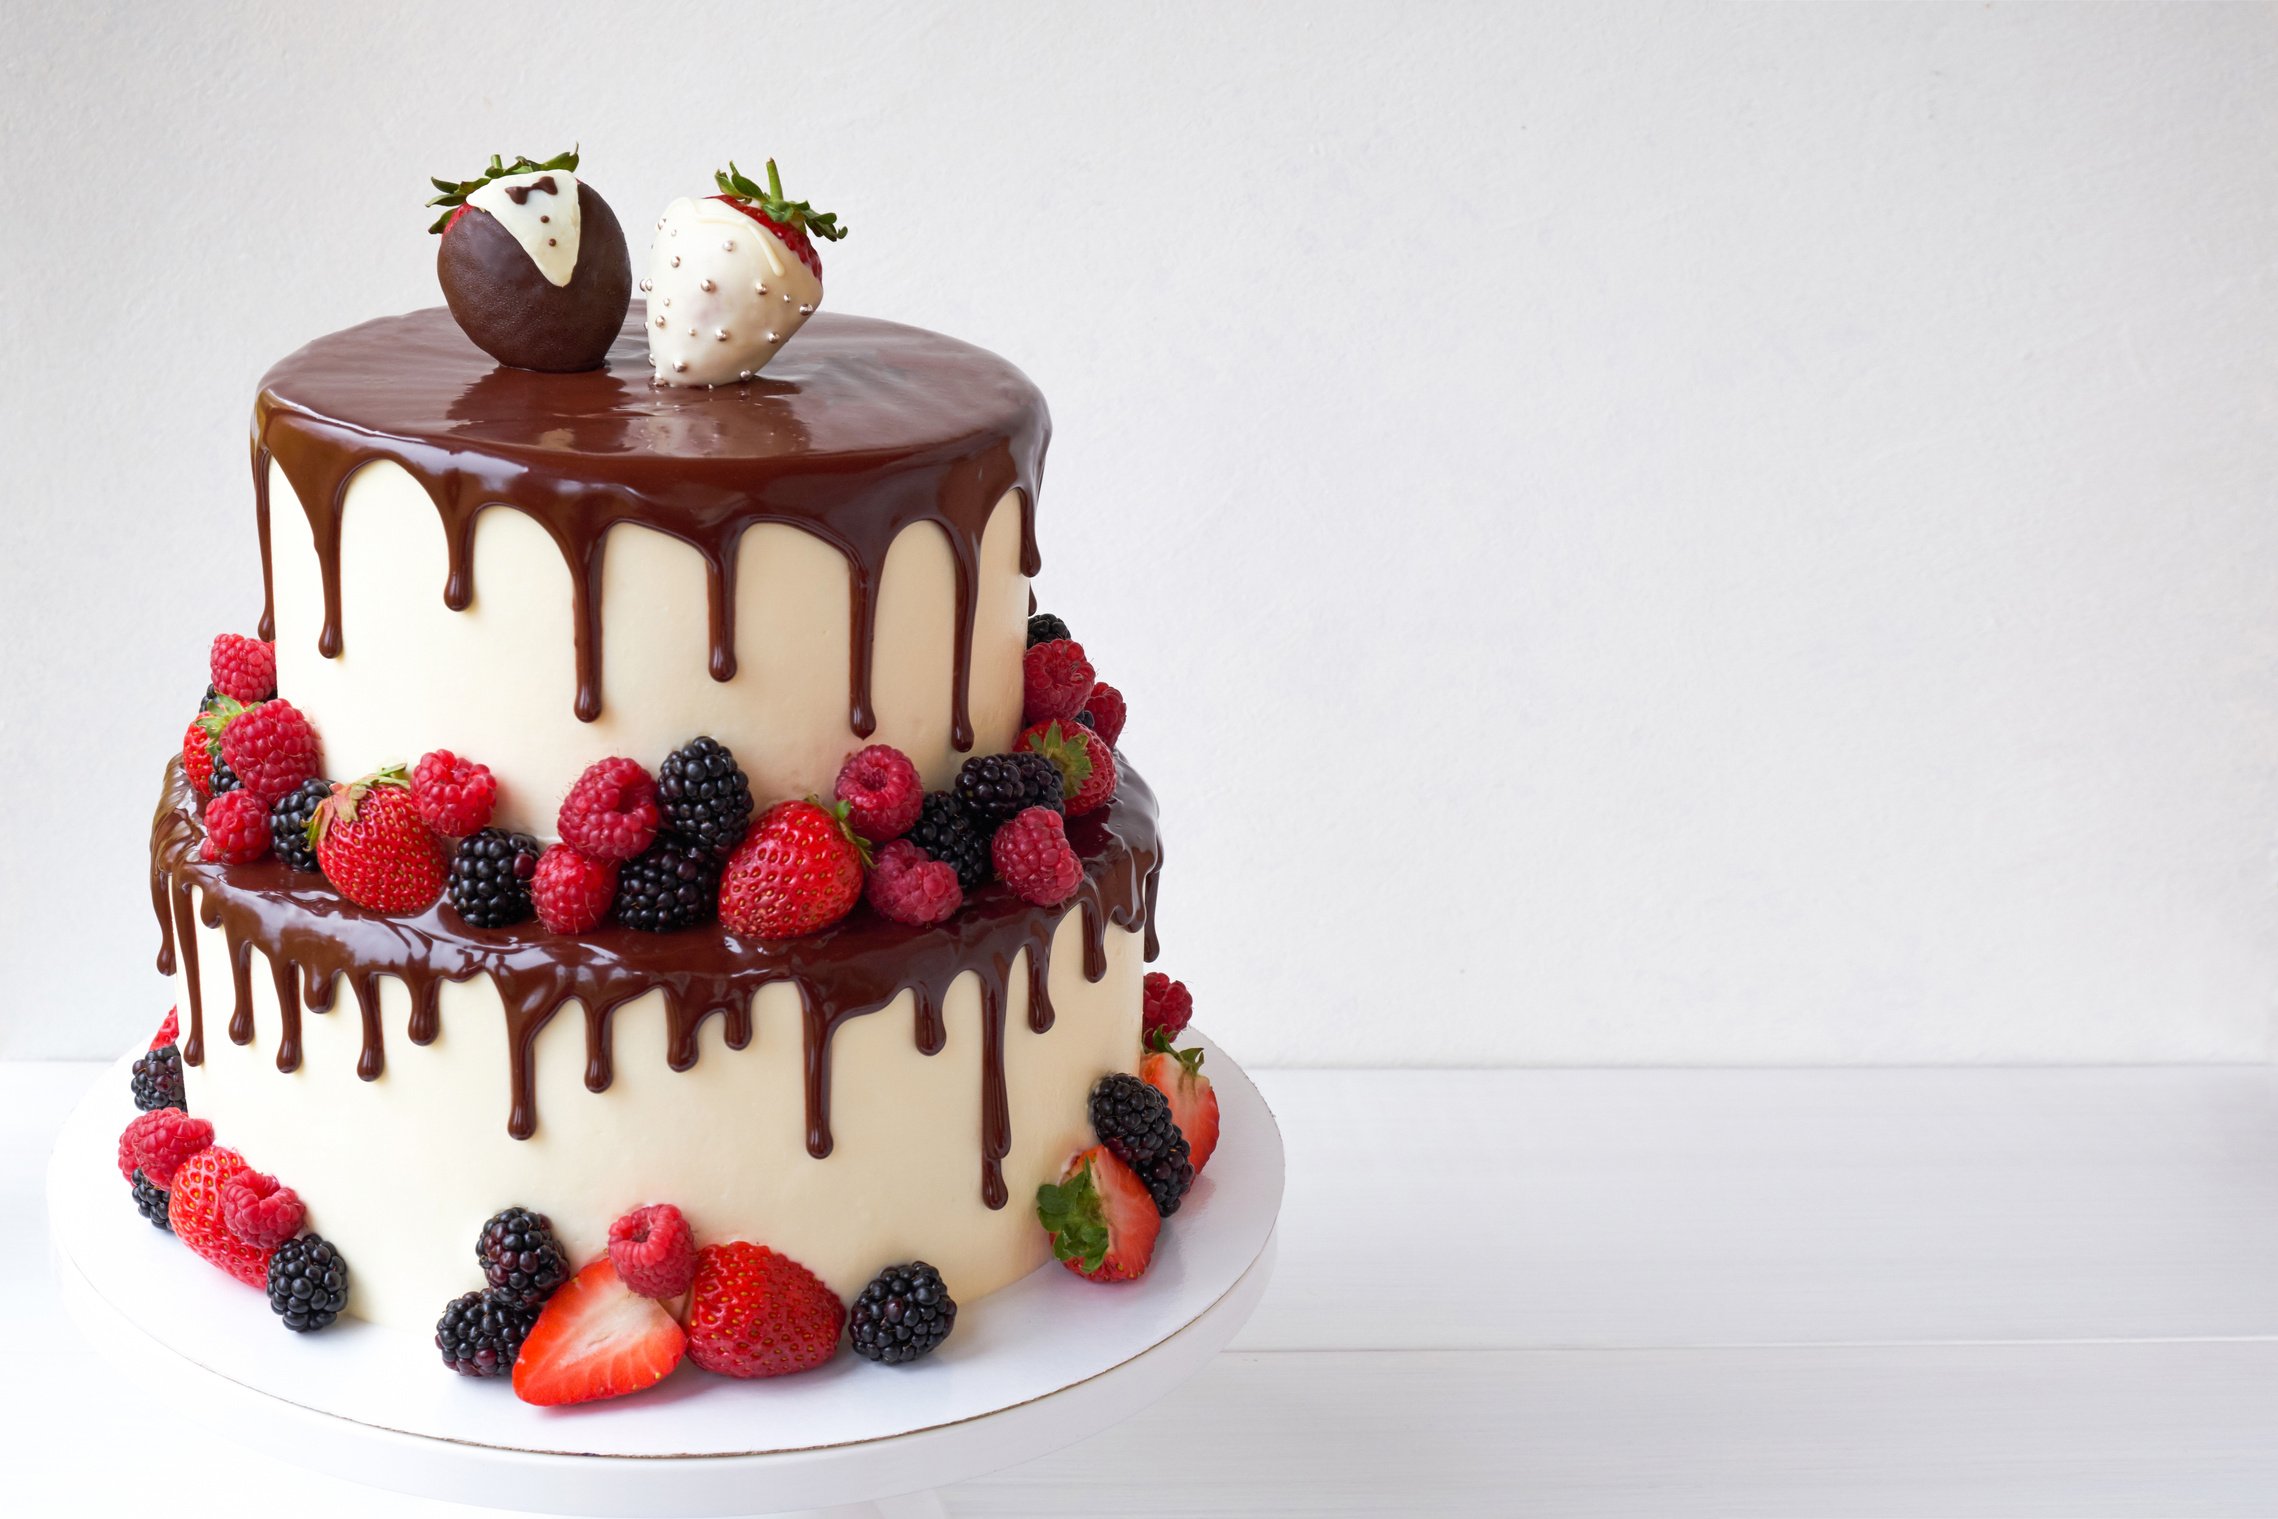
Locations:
{"points": [[1160, 1043], [1070, 1211], [456, 191], [1067, 751], [773, 205]]}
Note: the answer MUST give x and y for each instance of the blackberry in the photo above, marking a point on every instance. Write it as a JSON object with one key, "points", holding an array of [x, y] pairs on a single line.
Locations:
{"points": [[672, 885], [308, 1283], [946, 833], [905, 1313], [520, 1257], [995, 786], [481, 1333], [223, 778], [288, 825], [158, 1080], [1043, 627], [704, 797], [152, 1203], [490, 877], [1134, 1121]]}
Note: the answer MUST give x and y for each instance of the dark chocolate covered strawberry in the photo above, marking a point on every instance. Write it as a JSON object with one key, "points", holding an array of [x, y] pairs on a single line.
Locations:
{"points": [[533, 263]]}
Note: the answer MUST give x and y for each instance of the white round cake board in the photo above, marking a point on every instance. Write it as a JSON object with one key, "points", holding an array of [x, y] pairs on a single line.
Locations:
{"points": [[1046, 1362]]}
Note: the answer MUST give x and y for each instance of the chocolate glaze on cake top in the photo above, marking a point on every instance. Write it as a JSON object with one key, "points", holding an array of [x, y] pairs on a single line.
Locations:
{"points": [[859, 430]]}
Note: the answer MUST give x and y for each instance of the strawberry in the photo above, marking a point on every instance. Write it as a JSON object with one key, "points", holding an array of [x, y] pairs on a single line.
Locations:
{"points": [[1102, 1222], [169, 1031], [374, 848], [1085, 763], [731, 278], [1177, 1074], [789, 220], [198, 751], [797, 872], [754, 1313], [533, 263], [596, 1338], [194, 1209]]}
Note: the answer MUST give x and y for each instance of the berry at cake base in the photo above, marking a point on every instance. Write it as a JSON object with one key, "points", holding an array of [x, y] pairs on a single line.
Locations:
{"points": [[651, 883]]}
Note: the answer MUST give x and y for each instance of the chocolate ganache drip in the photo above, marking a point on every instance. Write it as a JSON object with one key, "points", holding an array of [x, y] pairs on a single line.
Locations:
{"points": [[859, 430], [314, 939]]}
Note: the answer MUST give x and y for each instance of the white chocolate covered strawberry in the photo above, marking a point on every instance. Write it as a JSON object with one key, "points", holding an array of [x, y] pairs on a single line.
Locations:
{"points": [[731, 277]]}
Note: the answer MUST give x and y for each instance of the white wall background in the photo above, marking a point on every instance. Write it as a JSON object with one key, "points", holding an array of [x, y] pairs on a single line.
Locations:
{"points": [[1687, 535]]}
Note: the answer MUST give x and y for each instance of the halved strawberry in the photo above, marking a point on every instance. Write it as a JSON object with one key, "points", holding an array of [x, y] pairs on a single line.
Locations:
{"points": [[1177, 1074], [596, 1338], [1103, 1223]]}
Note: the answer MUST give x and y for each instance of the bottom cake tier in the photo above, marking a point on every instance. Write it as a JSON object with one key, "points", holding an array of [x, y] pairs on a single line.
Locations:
{"points": [[871, 1095]]}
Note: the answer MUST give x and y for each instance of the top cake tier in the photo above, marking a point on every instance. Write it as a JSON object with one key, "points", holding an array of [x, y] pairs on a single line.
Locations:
{"points": [[834, 552]]}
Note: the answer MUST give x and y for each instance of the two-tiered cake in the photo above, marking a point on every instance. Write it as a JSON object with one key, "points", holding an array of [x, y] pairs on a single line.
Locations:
{"points": [[764, 857]]}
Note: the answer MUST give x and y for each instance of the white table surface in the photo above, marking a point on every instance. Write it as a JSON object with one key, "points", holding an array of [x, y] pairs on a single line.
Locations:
{"points": [[1811, 1293]]}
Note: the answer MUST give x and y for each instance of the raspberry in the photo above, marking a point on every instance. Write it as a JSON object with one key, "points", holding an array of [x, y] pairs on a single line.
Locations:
{"points": [[1166, 1005], [244, 669], [1080, 758], [258, 1211], [1055, 681], [572, 890], [1033, 858], [272, 749], [1043, 627], [907, 885], [237, 828], [882, 792], [454, 796], [159, 1141], [611, 813], [1103, 712], [654, 1251]]}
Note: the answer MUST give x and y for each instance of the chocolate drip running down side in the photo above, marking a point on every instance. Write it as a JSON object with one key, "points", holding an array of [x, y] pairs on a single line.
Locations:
{"points": [[314, 938], [858, 431]]}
